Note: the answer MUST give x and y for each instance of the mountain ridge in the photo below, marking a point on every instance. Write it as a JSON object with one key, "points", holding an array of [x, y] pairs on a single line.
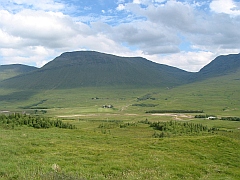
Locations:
{"points": [[223, 64], [11, 70], [93, 69], [90, 68], [220, 66]]}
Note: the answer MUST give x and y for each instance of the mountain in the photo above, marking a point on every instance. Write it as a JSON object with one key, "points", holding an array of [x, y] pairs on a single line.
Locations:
{"points": [[8, 71], [93, 69], [220, 66]]}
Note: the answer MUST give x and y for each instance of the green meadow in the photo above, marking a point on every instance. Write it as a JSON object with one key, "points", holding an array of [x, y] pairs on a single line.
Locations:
{"points": [[114, 143], [101, 149]]}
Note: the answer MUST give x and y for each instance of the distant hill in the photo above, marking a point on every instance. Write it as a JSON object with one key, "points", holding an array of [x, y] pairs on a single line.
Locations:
{"points": [[220, 66], [8, 71], [93, 69]]}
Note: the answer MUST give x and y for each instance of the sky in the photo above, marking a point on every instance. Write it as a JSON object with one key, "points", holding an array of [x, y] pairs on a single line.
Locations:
{"points": [[187, 34]]}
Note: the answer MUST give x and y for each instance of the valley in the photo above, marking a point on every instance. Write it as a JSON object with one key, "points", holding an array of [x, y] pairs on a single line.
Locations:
{"points": [[115, 137]]}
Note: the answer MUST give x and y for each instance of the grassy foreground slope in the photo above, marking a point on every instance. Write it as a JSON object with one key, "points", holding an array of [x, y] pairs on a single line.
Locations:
{"points": [[116, 153]]}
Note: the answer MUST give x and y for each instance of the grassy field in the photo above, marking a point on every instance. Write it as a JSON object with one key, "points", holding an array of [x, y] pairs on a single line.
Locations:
{"points": [[220, 96], [110, 152], [102, 147]]}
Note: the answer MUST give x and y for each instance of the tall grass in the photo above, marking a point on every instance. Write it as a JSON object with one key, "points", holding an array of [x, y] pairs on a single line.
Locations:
{"points": [[128, 152]]}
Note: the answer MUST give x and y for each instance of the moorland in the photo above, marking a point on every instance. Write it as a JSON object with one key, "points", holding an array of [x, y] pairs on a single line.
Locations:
{"points": [[89, 115]]}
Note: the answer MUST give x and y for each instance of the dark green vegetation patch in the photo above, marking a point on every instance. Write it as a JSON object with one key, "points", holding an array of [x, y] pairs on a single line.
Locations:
{"points": [[175, 111], [204, 116], [230, 118], [174, 128], [12, 120], [145, 105]]}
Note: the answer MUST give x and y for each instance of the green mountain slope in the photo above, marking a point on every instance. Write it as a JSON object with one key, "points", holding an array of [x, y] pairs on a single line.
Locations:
{"points": [[220, 66], [216, 95], [8, 71], [220, 95], [93, 69]]}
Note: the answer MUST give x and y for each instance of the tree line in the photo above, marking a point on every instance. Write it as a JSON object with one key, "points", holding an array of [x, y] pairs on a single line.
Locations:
{"points": [[175, 111], [230, 118], [204, 116], [176, 128], [17, 119], [222, 118]]}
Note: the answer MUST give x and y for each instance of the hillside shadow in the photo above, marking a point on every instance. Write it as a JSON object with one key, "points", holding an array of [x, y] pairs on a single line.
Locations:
{"points": [[18, 96]]}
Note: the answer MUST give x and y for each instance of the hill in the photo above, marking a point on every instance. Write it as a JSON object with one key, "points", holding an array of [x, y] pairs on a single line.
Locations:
{"points": [[8, 71], [93, 69], [220, 66]]}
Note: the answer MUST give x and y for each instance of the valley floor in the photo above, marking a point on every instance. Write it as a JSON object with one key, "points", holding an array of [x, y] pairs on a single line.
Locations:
{"points": [[118, 142]]}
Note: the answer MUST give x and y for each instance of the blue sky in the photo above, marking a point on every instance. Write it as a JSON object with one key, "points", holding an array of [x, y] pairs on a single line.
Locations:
{"points": [[186, 34]]}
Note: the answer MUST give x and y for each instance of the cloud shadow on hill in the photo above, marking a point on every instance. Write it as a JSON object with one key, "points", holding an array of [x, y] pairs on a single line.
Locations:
{"points": [[17, 96]]}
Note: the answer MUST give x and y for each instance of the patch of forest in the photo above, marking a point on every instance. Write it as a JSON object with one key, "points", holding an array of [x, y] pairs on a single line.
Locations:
{"points": [[230, 118], [13, 120], [176, 128], [145, 105], [213, 117], [175, 111]]}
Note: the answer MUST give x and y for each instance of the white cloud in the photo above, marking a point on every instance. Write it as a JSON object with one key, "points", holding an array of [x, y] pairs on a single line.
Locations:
{"points": [[150, 38], [146, 2], [160, 1], [35, 28], [173, 14], [189, 61], [34, 32], [225, 6], [136, 1], [36, 56], [35, 37], [8, 41], [120, 7], [210, 31]]}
